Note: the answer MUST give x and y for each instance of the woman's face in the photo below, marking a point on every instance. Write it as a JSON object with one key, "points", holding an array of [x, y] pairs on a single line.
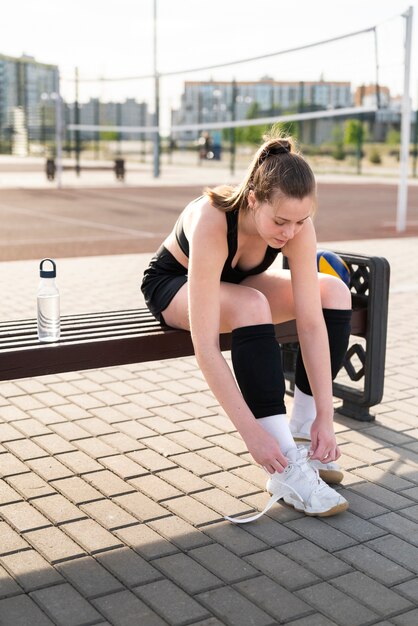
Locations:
{"points": [[280, 221]]}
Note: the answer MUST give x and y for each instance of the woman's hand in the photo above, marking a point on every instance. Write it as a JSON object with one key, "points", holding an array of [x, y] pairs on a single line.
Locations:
{"points": [[265, 450], [324, 446]]}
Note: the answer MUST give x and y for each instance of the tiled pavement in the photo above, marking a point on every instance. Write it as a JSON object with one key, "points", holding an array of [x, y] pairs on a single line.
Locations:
{"points": [[114, 484]]}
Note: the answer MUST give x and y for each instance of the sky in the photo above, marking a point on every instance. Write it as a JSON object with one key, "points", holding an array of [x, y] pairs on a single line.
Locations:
{"points": [[115, 39]]}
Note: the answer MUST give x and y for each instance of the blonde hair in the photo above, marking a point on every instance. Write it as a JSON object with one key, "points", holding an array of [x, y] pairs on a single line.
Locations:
{"points": [[277, 169]]}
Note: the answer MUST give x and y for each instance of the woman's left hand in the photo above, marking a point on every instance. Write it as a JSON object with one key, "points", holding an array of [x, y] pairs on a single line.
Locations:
{"points": [[324, 446]]}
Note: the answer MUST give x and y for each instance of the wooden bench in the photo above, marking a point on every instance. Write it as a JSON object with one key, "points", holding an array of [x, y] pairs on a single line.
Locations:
{"points": [[96, 340]]}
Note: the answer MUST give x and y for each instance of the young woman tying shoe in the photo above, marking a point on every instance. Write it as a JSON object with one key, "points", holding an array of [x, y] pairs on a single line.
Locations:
{"points": [[212, 275]]}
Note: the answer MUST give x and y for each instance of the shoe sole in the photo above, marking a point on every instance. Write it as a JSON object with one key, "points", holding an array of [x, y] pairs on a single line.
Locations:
{"points": [[339, 508], [331, 477]]}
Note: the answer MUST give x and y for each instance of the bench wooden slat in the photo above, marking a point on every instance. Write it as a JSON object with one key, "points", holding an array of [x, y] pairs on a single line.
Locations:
{"points": [[114, 343]]}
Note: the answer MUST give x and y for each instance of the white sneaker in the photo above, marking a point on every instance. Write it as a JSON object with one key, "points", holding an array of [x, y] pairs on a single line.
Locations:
{"points": [[301, 487], [330, 472]]}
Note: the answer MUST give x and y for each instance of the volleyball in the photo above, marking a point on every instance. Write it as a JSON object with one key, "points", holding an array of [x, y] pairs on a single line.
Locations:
{"points": [[331, 263]]}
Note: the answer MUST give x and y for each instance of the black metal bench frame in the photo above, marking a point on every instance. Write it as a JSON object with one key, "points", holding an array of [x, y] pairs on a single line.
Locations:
{"points": [[113, 338]]}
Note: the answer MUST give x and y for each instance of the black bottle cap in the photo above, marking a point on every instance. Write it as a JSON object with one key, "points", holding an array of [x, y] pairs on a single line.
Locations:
{"points": [[47, 273]]}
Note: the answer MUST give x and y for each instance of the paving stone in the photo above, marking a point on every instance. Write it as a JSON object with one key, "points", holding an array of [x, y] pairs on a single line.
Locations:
{"points": [[222, 458], [70, 430], [337, 605], [234, 538], [371, 593], [89, 577], [385, 479], [382, 569], [123, 466], [233, 608], [151, 460], [9, 433], [125, 609], [58, 509], [30, 570], [108, 483], [382, 496], [272, 531], [315, 619], [190, 441], [180, 533], [108, 514], [72, 411], [65, 605], [91, 536], [155, 487], [354, 526], [49, 468], [192, 462], [29, 485], [47, 416], [93, 447], [8, 586], [317, 531], [362, 506], [276, 600], [128, 566], [314, 558], [10, 541], [184, 480], [398, 550], [23, 516], [192, 511], [187, 573], [199, 427], [407, 619], [79, 462], [135, 429], [171, 602], [224, 563], [232, 484], [222, 502], [31, 427], [283, 570], [54, 444], [7, 494], [54, 544], [10, 413], [25, 449], [253, 474], [399, 525], [146, 541], [158, 424], [10, 465], [22, 610], [408, 589], [122, 442], [77, 489], [142, 507]]}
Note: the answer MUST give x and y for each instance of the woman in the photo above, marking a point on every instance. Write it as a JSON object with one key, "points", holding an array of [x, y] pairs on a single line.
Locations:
{"points": [[212, 275]]}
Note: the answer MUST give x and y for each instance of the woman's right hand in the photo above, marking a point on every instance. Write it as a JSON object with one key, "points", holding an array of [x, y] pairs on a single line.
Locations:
{"points": [[265, 450]]}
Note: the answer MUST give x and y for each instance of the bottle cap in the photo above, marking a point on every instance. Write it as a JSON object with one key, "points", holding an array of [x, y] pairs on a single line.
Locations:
{"points": [[47, 273]]}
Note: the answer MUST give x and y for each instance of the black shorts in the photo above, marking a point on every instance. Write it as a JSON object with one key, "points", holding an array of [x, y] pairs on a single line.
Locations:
{"points": [[162, 280]]}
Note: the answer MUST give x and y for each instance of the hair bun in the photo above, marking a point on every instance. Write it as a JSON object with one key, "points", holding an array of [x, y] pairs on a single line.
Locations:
{"points": [[282, 148]]}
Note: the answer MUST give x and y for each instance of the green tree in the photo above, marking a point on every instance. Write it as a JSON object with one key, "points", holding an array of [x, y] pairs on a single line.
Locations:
{"points": [[354, 132]]}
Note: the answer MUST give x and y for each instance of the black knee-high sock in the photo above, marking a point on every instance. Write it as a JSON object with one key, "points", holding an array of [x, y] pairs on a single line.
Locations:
{"points": [[338, 323], [257, 363]]}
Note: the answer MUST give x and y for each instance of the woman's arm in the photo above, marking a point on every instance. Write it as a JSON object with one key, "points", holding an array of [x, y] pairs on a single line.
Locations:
{"points": [[313, 337], [208, 252]]}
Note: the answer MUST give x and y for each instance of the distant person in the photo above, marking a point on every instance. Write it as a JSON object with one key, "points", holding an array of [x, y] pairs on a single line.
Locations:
{"points": [[205, 146], [212, 275]]}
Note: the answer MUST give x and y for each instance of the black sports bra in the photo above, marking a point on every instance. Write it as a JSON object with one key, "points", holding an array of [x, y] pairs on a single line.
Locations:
{"points": [[229, 274]]}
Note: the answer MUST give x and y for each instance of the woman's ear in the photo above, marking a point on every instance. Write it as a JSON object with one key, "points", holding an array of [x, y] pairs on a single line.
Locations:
{"points": [[251, 199]]}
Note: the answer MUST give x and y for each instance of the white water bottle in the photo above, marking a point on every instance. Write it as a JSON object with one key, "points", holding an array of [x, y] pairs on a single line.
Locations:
{"points": [[48, 304]]}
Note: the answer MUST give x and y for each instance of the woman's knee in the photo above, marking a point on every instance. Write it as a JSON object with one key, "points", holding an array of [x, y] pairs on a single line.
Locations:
{"points": [[334, 293], [248, 308]]}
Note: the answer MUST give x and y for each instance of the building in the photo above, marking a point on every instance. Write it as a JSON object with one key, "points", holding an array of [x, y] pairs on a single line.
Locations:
{"points": [[95, 112], [27, 104], [214, 101]]}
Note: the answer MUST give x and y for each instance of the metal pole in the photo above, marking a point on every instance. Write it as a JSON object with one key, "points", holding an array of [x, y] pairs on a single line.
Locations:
{"points": [[405, 128], [157, 101], [232, 130], [77, 121], [58, 133], [414, 167]]}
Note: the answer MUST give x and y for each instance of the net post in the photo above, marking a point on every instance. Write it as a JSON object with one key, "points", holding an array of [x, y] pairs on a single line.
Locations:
{"points": [[405, 128]]}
